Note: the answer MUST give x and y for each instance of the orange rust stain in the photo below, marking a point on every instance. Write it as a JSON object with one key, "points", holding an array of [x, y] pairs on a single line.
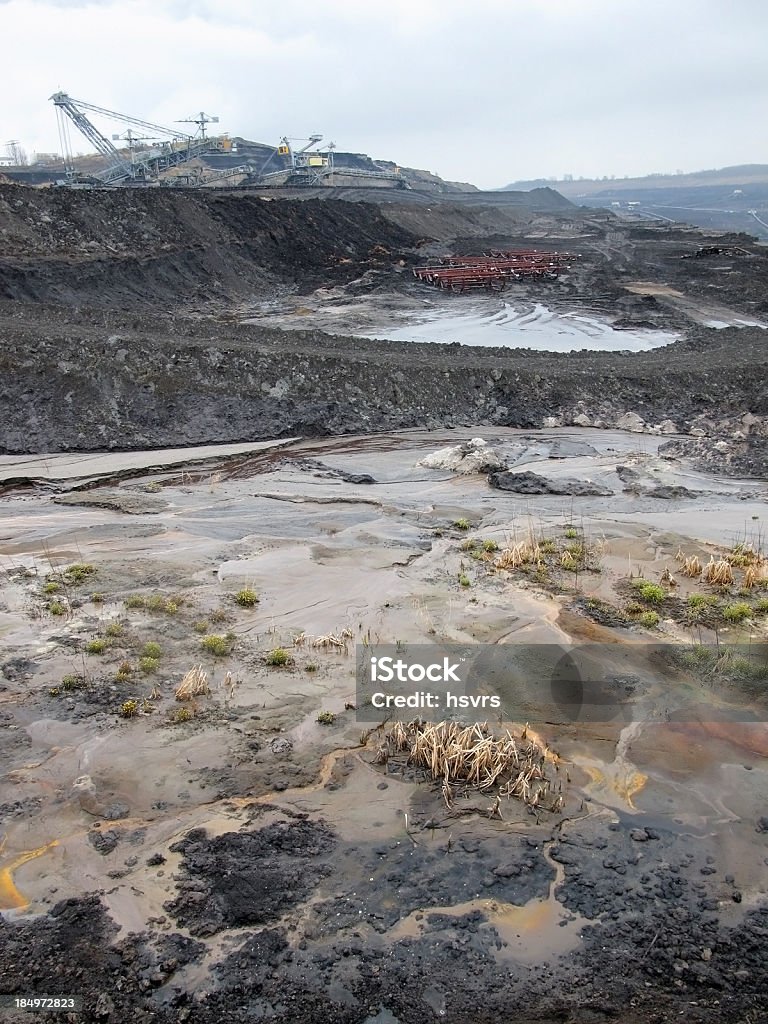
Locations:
{"points": [[10, 897]]}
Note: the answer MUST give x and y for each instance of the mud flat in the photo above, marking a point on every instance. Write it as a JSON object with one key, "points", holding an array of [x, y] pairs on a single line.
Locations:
{"points": [[231, 857]]}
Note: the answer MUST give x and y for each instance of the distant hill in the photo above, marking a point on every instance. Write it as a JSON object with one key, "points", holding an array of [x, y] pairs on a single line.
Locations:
{"points": [[724, 199], [740, 174]]}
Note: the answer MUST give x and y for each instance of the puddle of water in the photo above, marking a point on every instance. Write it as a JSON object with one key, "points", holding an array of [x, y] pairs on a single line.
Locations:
{"points": [[541, 329]]}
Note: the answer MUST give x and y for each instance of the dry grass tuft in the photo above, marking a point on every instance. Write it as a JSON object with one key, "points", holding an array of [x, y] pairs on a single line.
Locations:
{"points": [[470, 757], [523, 553], [718, 573], [194, 684], [755, 575], [691, 567]]}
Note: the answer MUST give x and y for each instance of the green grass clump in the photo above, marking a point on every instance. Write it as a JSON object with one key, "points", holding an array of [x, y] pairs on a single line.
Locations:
{"points": [[547, 545], [79, 572], [701, 600], [326, 718], [151, 649], [467, 545], [57, 608], [650, 592], [571, 533], [96, 646], [737, 612], [490, 545], [698, 656], [311, 666], [148, 664], [569, 562], [97, 598], [761, 606], [464, 581], [218, 616], [179, 715], [649, 619], [51, 587], [129, 709], [114, 629], [216, 645], [135, 601], [278, 657], [461, 524], [201, 626], [158, 603], [246, 598]]}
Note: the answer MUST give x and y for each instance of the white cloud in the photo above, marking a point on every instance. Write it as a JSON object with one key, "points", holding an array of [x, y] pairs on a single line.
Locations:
{"points": [[486, 92]]}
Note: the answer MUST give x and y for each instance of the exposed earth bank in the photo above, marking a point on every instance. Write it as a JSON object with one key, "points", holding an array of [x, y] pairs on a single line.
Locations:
{"points": [[98, 382]]}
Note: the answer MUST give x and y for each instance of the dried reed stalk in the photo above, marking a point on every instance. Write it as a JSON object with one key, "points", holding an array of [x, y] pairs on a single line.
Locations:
{"points": [[194, 684], [470, 757]]}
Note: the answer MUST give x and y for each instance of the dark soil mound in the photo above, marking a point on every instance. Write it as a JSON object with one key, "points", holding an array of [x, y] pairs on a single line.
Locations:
{"points": [[248, 878]]}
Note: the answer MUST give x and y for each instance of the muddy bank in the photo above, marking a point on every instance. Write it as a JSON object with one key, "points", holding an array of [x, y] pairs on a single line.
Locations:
{"points": [[110, 382], [248, 854]]}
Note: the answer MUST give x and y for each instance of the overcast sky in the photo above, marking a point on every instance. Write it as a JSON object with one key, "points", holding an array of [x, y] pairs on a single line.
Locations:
{"points": [[487, 91]]}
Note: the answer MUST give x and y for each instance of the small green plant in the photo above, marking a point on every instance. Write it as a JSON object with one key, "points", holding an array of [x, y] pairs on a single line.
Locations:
{"points": [[311, 666], [569, 562], [649, 619], [326, 718], [149, 665], [461, 524], [547, 545], [761, 606], [57, 608], [246, 598], [129, 709], [55, 691], [701, 600], [96, 646], [97, 598], [464, 581], [179, 715], [218, 616], [114, 629], [571, 533], [467, 545], [151, 649], [72, 682], [215, 645], [51, 587], [490, 545], [135, 601], [201, 626], [79, 572], [278, 657], [737, 612], [652, 593]]}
